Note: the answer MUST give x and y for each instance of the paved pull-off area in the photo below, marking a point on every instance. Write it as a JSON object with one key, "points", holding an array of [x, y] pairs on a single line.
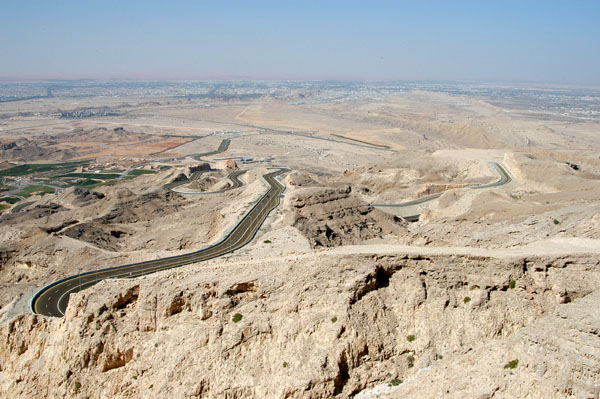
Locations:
{"points": [[52, 300]]}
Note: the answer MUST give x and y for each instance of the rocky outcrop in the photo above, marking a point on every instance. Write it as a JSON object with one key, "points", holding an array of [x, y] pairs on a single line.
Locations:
{"points": [[27, 150], [430, 189], [79, 196], [333, 216], [33, 213], [315, 326], [203, 167], [556, 356], [132, 208], [8, 146], [204, 183], [105, 237], [228, 164]]}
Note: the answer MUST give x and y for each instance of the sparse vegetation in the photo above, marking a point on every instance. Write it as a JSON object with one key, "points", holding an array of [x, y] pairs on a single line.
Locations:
{"points": [[285, 364], [236, 317], [102, 176], [27, 169], [410, 338], [77, 386], [267, 241], [395, 382], [151, 386], [556, 221], [411, 362], [512, 284], [467, 299], [512, 364], [333, 319]]}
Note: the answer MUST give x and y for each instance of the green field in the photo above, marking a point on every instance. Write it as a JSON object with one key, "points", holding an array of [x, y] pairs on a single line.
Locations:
{"points": [[6, 188], [10, 200], [30, 168], [138, 172], [35, 190], [88, 183], [101, 176]]}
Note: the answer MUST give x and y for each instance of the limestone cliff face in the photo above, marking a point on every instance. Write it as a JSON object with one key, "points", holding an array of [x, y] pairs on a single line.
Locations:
{"points": [[310, 326]]}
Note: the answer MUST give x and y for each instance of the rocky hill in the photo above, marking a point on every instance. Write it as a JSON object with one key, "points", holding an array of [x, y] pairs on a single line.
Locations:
{"points": [[334, 216]]}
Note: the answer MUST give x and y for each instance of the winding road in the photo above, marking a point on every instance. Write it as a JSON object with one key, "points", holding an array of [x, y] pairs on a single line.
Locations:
{"points": [[504, 177], [233, 177], [52, 300]]}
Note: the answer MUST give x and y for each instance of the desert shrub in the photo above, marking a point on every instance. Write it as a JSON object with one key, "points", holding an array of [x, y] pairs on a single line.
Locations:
{"points": [[512, 284], [467, 299], [512, 364], [395, 382], [236, 317], [333, 319], [410, 338]]}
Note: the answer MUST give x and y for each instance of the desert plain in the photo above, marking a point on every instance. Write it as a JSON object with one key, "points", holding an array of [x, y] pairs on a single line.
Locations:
{"points": [[400, 261]]}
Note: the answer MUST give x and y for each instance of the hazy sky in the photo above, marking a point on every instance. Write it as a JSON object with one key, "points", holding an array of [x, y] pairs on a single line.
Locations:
{"points": [[525, 40]]}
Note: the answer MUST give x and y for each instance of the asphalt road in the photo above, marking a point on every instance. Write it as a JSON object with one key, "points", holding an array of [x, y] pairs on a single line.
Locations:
{"points": [[503, 178], [234, 177], [52, 300], [222, 148]]}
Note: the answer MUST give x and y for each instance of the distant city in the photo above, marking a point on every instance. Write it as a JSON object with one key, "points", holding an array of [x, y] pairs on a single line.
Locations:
{"points": [[570, 102]]}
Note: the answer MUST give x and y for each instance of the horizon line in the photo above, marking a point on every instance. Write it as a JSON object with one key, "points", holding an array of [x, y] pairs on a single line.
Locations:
{"points": [[242, 78]]}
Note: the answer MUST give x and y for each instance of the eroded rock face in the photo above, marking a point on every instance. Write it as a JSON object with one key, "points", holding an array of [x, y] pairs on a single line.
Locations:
{"points": [[311, 327], [556, 356], [333, 216], [105, 237], [83, 197], [132, 208], [36, 212]]}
